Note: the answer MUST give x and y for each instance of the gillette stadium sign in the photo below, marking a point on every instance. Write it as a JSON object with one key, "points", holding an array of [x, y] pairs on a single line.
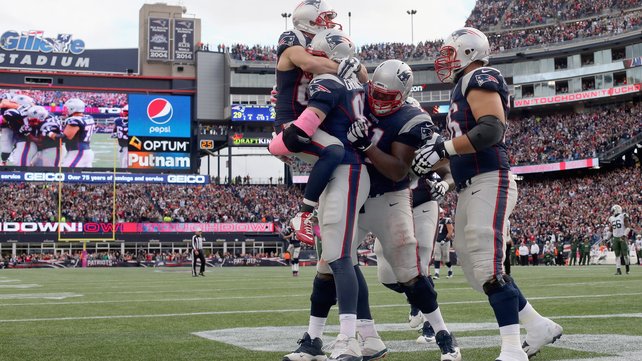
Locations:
{"points": [[33, 50]]}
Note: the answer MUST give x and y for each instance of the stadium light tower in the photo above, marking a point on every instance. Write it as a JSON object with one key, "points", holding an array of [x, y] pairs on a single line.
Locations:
{"points": [[412, 13], [285, 17], [349, 23]]}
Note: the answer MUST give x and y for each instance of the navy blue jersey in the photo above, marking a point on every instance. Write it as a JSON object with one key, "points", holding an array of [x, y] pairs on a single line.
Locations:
{"points": [[442, 231], [291, 84], [14, 120], [120, 131], [342, 101], [410, 126], [86, 127], [52, 124], [460, 120]]}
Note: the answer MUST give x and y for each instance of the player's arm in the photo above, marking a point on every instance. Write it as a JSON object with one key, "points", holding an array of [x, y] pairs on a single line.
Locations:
{"points": [[451, 231], [488, 110], [309, 63], [362, 74], [443, 170], [394, 166]]}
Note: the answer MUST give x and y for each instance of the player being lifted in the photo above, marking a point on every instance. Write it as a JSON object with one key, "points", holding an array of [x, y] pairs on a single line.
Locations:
{"points": [[15, 142], [294, 70], [487, 190], [398, 129], [44, 125], [334, 104], [77, 132], [619, 224], [120, 132]]}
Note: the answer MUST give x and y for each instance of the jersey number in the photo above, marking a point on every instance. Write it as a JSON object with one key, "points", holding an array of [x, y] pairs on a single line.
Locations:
{"points": [[453, 127], [89, 131]]}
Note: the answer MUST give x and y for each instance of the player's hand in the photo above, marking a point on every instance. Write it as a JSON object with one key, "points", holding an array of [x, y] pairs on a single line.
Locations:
{"points": [[358, 135], [428, 155], [348, 67], [273, 95], [295, 139], [25, 129], [196, 253], [438, 190]]}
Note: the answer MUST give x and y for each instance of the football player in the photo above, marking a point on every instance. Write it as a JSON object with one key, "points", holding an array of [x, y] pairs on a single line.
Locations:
{"points": [[487, 192], [398, 130], [445, 234], [294, 248], [15, 130], [294, 70], [333, 105], [44, 124], [120, 132], [77, 132], [618, 224]]}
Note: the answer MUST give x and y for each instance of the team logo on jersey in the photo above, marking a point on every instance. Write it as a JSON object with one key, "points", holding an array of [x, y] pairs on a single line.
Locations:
{"points": [[316, 87], [336, 40], [160, 111], [287, 39], [404, 76], [426, 133], [485, 78]]}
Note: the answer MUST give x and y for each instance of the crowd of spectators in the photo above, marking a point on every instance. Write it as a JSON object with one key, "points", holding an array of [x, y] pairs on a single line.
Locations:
{"points": [[487, 13], [528, 13], [31, 202], [571, 136]]}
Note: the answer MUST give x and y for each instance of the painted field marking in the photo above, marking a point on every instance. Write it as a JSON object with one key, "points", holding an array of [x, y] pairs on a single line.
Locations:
{"points": [[44, 296], [28, 285]]}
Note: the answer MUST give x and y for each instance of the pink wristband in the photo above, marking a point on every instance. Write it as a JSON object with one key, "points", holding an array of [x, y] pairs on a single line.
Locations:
{"points": [[308, 121]]}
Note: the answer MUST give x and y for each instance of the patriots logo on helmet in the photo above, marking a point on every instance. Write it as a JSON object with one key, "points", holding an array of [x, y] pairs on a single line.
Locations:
{"points": [[485, 78], [315, 3], [334, 40], [317, 87], [160, 111], [404, 76]]}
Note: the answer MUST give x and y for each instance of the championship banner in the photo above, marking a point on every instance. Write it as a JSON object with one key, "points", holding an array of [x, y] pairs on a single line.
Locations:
{"points": [[158, 39], [554, 167], [185, 179], [573, 97], [183, 40]]}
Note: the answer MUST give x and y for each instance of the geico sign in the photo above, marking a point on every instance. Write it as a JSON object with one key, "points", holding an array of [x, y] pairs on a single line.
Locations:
{"points": [[194, 179], [55, 177]]}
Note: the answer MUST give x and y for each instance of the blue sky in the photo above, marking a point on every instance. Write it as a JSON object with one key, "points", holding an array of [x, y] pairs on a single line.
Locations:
{"points": [[114, 23]]}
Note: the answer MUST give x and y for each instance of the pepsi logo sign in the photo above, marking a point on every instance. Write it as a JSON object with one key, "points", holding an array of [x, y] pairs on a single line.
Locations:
{"points": [[160, 111]]}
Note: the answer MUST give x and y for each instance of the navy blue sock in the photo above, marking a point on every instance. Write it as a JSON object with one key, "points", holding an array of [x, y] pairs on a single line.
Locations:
{"points": [[505, 302], [323, 297], [520, 297], [421, 294], [329, 158], [437, 264], [414, 310], [363, 301], [347, 285]]}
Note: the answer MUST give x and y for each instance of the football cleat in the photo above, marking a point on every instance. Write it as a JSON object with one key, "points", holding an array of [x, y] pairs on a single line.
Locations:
{"points": [[436, 276], [517, 355], [450, 274], [415, 320], [308, 350], [548, 333], [618, 272], [448, 346], [346, 348], [372, 348], [302, 226], [427, 334]]}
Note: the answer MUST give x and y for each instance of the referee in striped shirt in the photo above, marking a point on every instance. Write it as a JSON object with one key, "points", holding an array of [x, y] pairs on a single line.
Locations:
{"points": [[197, 251]]}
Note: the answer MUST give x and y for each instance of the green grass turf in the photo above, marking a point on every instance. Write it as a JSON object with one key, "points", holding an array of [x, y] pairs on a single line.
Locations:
{"points": [[146, 292], [104, 147]]}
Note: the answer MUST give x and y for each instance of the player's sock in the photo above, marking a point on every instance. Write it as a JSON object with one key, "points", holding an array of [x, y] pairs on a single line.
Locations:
{"points": [[367, 328], [363, 301], [504, 299], [345, 280], [348, 324], [421, 293], [510, 338], [329, 158], [316, 326], [321, 301], [436, 320], [308, 206]]}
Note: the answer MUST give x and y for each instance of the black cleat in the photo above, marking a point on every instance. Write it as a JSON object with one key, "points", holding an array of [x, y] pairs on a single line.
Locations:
{"points": [[308, 350]]}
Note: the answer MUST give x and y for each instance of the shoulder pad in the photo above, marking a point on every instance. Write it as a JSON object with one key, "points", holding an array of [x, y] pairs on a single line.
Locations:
{"points": [[290, 38], [325, 83], [482, 78], [418, 118]]}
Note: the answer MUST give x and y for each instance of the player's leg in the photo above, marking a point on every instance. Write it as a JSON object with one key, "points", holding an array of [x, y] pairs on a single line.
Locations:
{"points": [[617, 249], [328, 152], [201, 257], [194, 264], [122, 156], [395, 230], [296, 251], [23, 153], [6, 145], [445, 255], [626, 255]]}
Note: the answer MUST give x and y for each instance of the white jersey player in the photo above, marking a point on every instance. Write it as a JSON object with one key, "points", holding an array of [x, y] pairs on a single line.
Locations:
{"points": [[619, 223], [14, 130], [45, 124], [77, 132]]}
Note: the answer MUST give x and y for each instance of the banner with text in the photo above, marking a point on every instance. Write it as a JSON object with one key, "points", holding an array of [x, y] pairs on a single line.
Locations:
{"points": [[158, 39], [554, 167], [89, 228], [574, 97], [183, 40], [103, 178]]}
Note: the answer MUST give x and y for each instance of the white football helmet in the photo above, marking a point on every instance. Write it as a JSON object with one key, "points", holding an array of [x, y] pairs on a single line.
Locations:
{"points": [[389, 88], [461, 48], [74, 105], [332, 44], [36, 115], [313, 16], [125, 111], [616, 209]]}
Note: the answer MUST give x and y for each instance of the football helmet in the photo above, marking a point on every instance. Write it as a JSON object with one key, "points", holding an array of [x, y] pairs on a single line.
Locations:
{"points": [[389, 88], [616, 209], [332, 44], [461, 48], [36, 115], [313, 16], [73, 106], [125, 111]]}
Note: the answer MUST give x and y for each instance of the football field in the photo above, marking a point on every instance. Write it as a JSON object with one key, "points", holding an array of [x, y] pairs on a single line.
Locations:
{"points": [[259, 313]]}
